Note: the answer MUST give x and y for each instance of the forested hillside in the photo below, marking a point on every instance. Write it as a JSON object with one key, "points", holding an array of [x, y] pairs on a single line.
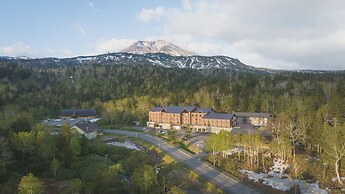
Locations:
{"points": [[128, 93], [121, 94]]}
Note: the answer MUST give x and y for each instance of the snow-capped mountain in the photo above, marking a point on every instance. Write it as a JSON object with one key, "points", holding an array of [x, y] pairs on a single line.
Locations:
{"points": [[159, 46], [153, 59], [154, 53]]}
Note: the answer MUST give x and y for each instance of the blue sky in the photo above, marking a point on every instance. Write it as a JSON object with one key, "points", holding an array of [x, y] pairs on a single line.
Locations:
{"points": [[294, 34], [72, 27]]}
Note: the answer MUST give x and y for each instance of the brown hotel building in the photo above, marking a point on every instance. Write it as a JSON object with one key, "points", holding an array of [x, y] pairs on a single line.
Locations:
{"points": [[198, 119], [202, 119]]}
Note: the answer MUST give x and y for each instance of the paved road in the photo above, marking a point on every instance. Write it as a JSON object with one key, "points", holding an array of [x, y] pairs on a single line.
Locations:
{"points": [[227, 184]]}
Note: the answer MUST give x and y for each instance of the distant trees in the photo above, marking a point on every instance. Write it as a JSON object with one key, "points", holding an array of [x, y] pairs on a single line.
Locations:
{"points": [[307, 108], [146, 179], [55, 165], [29, 184], [177, 190], [69, 142], [5, 157], [23, 142], [333, 141]]}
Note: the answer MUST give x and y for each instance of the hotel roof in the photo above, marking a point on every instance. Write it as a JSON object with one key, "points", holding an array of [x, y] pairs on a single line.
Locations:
{"points": [[224, 116], [203, 110], [252, 114], [173, 109], [79, 113]]}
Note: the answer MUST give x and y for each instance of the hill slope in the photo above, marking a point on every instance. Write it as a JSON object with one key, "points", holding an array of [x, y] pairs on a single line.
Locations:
{"points": [[153, 59]]}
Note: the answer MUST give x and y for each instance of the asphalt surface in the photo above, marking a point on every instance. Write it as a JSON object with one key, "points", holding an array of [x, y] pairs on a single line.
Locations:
{"points": [[224, 182]]}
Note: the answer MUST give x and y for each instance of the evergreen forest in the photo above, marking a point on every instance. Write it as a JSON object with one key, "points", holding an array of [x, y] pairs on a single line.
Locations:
{"points": [[308, 120]]}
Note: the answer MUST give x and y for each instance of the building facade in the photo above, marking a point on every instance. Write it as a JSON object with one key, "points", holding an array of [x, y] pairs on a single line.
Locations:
{"points": [[191, 117], [256, 119], [201, 119]]}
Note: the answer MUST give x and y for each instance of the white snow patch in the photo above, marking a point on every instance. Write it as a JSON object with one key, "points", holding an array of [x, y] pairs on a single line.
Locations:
{"points": [[254, 176], [278, 183], [82, 59], [278, 169], [273, 181], [125, 144], [277, 179], [336, 179], [94, 120], [310, 188], [233, 151]]}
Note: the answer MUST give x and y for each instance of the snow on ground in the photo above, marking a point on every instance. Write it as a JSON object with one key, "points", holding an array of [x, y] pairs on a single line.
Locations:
{"points": [[233, 151], [309, 188], [254, 176], [336, 179], [125, 144], [276, 178], [278, 183], [278, 169]]}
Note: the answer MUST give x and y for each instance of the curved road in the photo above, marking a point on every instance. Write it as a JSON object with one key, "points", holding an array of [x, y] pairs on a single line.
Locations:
{"points": [[227, 184]]}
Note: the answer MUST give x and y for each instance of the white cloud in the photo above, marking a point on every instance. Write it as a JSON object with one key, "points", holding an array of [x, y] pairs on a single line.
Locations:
{"points": [[91, 4], [158, 13], [112, 45], [17, 49], [78, 25], [56, 53], [20, 49], [299, 34]]}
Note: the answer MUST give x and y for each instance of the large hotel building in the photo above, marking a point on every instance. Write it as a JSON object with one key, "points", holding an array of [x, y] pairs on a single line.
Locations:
{"points": [[202, 119]]}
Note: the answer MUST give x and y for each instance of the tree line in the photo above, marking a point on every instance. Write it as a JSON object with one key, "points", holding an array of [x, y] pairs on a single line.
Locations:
{"points": [[308, 108]]}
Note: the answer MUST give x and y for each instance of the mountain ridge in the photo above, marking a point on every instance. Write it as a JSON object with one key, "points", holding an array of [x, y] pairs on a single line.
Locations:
{"points": [[153, 59]]}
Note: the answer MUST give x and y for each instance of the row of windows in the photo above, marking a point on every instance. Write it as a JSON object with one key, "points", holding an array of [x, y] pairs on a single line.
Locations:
{"points": [[195, 115], [186, 115], [193, 120]]}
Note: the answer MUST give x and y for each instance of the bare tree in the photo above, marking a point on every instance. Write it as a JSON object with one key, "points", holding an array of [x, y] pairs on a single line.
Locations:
{"points": [[334, 146]]}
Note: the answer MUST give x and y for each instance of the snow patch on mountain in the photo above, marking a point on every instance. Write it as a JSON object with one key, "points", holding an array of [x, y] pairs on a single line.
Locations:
{"points": [[130, 59], [159, 46]]}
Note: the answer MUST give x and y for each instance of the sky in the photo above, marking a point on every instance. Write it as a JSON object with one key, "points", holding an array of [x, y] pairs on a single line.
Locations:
{"points": [[279, 34]]}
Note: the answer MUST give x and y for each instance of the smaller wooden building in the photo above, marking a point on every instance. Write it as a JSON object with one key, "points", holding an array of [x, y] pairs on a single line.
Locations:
{"points": [[89, 130]]}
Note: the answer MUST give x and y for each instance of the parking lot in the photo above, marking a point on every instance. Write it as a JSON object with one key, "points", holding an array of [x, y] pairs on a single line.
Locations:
{"points": [[70, 122]]}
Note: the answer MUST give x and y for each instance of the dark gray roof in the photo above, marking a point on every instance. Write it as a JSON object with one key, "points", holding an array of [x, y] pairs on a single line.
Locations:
{"points": [[67, 113], [157, 109], [203, 110], [78, 113], [87, 127], [178, 109], [174, 109], [223, 116], [252, 114]]}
